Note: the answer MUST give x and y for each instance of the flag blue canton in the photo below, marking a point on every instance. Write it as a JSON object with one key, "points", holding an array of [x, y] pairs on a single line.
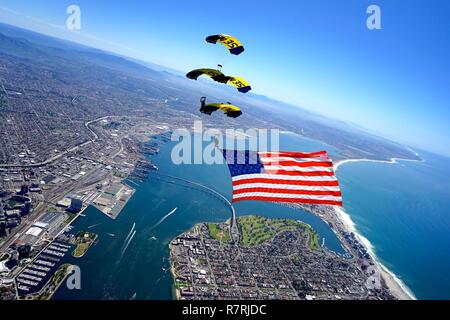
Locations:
{"points": [[243, 162]]}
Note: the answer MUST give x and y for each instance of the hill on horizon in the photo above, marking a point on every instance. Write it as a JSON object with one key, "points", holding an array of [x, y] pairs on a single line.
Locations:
{"points": [[57, 54]]}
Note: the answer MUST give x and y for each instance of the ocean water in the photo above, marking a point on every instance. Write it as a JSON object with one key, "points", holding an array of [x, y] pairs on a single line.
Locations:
{"points": [[404, 211], [120, 268]]}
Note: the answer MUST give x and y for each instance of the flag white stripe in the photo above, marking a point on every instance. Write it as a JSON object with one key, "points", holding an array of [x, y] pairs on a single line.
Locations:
{"points": [[285, 187], [286, 153]]}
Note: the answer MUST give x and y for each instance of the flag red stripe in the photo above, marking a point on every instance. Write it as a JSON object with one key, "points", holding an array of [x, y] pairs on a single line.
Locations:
{"points": [[293, 200], [301, 173], [288, 182], [298, 164]]}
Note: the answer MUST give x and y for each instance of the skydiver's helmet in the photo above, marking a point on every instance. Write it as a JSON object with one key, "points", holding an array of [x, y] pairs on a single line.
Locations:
{"points": [[204, 108]]}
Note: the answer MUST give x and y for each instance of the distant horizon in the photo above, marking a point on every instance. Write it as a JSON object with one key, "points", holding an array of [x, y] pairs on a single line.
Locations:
{"points": [[169, 69], [132, 144], [409, 137]]}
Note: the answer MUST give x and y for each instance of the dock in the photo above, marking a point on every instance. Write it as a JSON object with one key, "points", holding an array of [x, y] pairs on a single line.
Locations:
{"points": [[114, 199]]}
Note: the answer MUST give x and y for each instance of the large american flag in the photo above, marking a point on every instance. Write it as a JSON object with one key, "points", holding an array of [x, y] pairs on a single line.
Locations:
{"points": [[283, 177]]}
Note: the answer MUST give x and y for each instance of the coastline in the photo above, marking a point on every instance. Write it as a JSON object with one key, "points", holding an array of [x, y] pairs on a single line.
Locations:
{"points": [[338, 164], [176, 290], [397, 287], [60, 283]]}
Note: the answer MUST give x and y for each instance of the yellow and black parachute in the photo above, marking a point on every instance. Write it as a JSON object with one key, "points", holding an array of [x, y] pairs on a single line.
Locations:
{"points": [[240, 84], [214, 74], [227, 108], [218, 76], [231, 43]]}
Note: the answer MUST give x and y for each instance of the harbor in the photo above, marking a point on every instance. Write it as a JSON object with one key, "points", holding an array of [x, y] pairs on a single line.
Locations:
{"points": [[32, 280]]}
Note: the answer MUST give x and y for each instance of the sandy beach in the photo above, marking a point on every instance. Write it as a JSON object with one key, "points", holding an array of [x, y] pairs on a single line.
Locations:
{"points": [[395, 285]]}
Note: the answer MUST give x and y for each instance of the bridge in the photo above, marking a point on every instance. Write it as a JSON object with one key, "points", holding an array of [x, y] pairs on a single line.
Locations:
{"points": [[234, 229]]}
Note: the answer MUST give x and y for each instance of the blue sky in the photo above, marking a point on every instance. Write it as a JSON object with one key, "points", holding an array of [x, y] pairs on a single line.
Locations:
{"points": [[317, 54]]}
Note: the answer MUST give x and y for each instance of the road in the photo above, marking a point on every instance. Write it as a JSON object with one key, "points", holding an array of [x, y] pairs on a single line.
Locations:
{"points": [[52, 159]]}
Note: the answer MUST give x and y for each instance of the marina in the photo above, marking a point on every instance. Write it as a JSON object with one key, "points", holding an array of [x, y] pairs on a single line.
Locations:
{"points": [[35, 276]]}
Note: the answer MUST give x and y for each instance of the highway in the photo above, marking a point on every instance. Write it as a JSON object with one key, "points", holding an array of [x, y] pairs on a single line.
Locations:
{"points": [[50, 160], [58, 156]]}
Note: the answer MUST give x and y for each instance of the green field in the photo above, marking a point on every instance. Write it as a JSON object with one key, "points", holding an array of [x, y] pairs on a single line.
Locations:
{"points": [[70, 217], [255, 230], [54, 282], [313, 240], [218, 233], [4, 257], [84, 241], [179, 284], [11, 203], [80, 250]]}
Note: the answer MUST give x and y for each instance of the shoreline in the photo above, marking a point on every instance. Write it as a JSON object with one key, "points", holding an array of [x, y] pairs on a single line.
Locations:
{"points": [[338, 164], [61, 282], [397, 287], [176, 290]]}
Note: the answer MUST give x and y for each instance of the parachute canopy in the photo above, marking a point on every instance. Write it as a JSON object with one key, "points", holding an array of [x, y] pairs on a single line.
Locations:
{"points": [[231, 43], [227, 108], [214, 74], [239, 83]]}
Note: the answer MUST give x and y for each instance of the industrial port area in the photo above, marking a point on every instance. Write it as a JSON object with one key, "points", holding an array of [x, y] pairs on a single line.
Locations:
{"points": [[40, 201], [59, 156]]}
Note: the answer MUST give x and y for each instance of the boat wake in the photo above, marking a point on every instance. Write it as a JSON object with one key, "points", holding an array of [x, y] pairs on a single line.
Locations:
{"points": [[164, 218], [133, 297], [127, 240], [129, 234], [125, 247]]}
